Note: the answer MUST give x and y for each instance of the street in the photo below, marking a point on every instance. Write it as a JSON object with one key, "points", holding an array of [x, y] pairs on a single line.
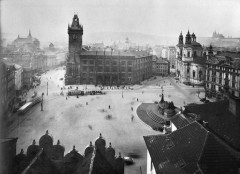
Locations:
{"points": [[74, 122]]}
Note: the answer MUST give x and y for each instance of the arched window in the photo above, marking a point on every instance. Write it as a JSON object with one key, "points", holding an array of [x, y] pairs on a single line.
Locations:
{"points": [[194, 73], [188, 54]]}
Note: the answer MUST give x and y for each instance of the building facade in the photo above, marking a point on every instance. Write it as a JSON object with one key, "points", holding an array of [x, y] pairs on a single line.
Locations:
{"points": [[18, 78], [103, 67], [222, 75], [9, 79], [190, 62], [171, 56], [161, 67]]}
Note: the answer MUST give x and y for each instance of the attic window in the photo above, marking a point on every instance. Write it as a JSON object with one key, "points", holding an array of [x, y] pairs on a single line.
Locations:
{"points": [[169, 144], [181, 163]]}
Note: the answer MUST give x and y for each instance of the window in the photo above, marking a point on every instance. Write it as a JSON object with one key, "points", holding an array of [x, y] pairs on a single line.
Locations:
{"points": [[84, 62], [84, 69], [100, 69], [91, 62], [114, 69], [114, 62], [188, 54], [129, 62], [99, 62], [194, 73], [107, 69], [123, 69], [129, 69], [91, 69], [107, 62], [123, 63]]}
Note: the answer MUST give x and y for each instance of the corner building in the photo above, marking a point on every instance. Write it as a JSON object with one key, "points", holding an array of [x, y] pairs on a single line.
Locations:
{"points": [[190, 62], [103, 67]]}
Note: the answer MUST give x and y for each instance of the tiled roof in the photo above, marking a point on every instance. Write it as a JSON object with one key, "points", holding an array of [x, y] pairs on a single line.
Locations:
{"points": [[216, 158], [162, 61], [180, 121], [220, 120], [229, 54], [179, 151]]}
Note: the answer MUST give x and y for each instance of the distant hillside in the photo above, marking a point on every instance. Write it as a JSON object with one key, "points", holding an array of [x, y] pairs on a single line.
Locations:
{"points": [[138, 38]]}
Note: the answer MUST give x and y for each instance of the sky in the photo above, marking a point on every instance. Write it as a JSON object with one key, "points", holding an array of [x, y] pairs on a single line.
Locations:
{"points": [[48, 19]]}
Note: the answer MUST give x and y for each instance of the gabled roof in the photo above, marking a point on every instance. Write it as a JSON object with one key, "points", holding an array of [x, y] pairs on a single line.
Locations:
{"points": [[179, 151], [220, 120], [191, 149]]}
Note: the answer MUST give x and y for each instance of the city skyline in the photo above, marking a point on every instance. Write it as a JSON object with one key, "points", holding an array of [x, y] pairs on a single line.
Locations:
{"points": [[48, 20]]}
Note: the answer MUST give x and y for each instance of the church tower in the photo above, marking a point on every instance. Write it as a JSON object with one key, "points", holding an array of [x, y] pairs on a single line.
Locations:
{"points": [[75, 32]]}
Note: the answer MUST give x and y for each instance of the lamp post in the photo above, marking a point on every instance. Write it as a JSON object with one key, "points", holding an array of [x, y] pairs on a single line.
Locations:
{"points": [[122, 92], [42, 102]]}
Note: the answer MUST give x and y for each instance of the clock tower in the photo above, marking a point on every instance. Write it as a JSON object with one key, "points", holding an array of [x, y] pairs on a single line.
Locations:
{"points": [[75, 32]]}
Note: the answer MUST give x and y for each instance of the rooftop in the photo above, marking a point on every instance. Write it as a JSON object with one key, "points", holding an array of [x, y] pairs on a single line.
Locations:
{"points": [[220, 120], [191, 149], [168, 152], [136, 54]]}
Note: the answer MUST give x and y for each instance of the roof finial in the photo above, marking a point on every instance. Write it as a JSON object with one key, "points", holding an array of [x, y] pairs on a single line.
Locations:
{"points": [[100, 135], [47, 132], [110, 144], [21, 151], [90, 143], [119, 154], [73, 147], [34, 142], [58, 142]]}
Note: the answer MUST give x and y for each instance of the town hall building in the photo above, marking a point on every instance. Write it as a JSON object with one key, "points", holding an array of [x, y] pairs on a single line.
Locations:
{"points": [[103, 67]]}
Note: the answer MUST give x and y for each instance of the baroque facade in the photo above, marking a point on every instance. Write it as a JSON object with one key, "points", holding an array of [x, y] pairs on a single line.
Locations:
{"points": [[190, 62], [222, 75], [103, 67]]}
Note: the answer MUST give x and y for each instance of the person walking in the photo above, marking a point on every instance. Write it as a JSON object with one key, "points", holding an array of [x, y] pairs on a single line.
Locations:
{"points": [[109, 107], [132, 108], [132, 118], [137, 99]]}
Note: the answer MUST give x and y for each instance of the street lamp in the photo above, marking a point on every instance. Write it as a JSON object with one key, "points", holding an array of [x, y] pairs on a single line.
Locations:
{"points": [[122, 92], [42, 102]]}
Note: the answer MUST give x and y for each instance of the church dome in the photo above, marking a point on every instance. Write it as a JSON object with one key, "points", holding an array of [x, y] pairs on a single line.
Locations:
{"points": [[110, 151], [100, 142], [72, 156], [46, 140], [89, 149], [58, 151], [32, 150], [20, 157]]}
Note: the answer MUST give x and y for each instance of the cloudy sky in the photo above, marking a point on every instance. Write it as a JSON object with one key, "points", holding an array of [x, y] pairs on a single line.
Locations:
{"points": [[48, 19]]}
